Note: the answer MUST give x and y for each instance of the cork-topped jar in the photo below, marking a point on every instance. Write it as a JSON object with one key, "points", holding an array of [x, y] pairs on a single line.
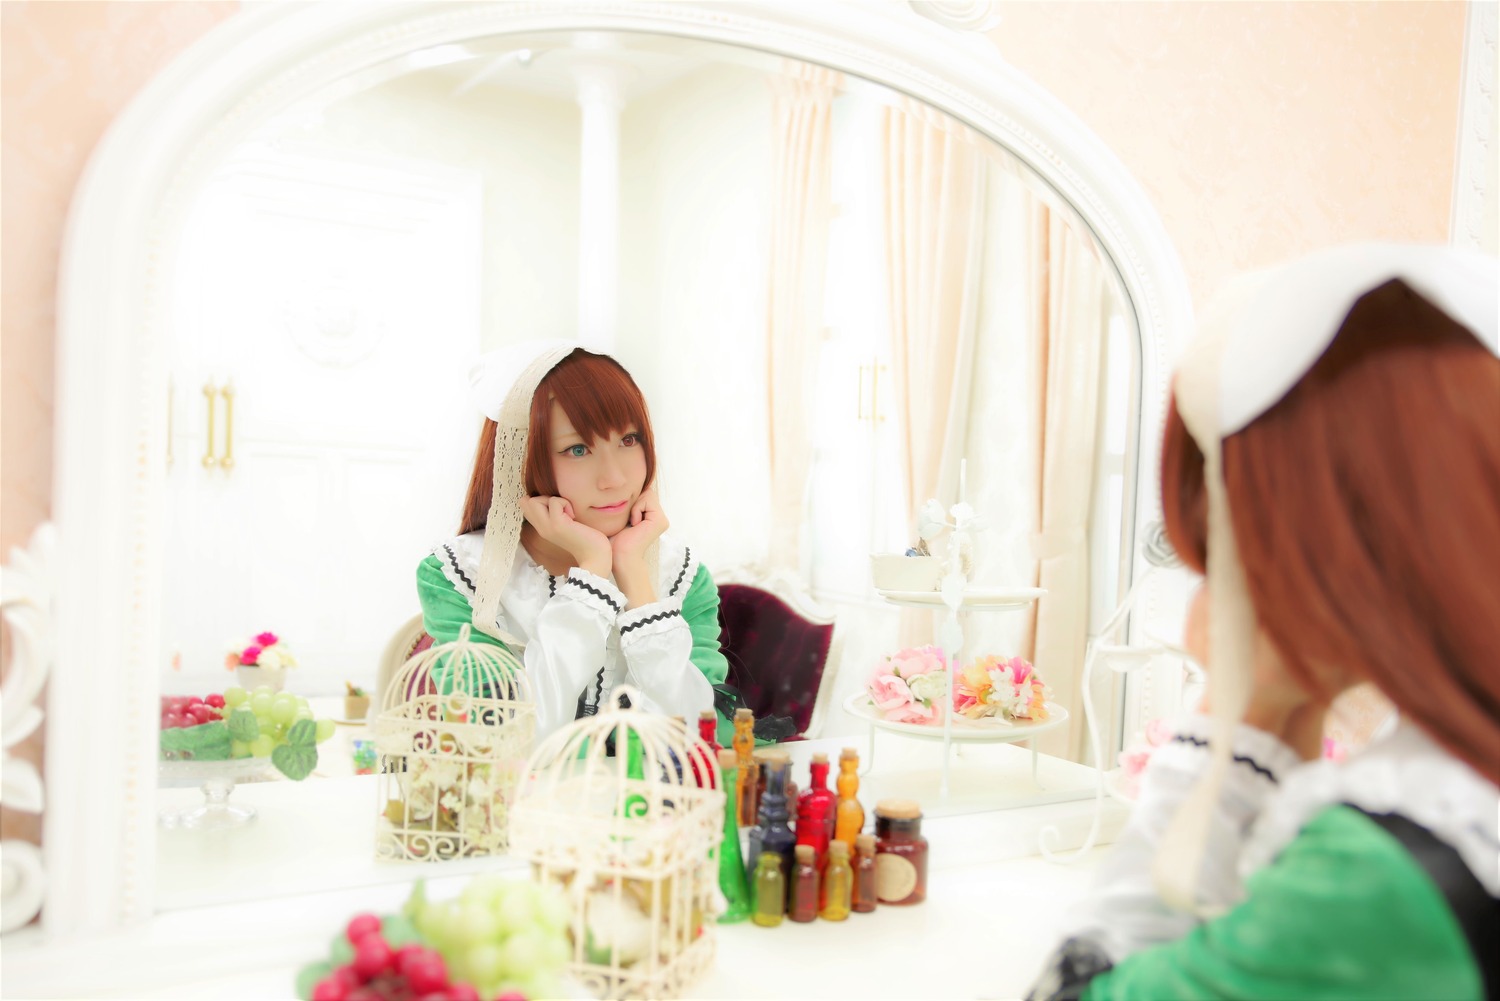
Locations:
{"points": [[900, 852]]}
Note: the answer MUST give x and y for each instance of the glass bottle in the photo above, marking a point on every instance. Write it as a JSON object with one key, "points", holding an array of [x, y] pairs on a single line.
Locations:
{"points": [[818, 793], [849, 815], [744, 747], [707, 732], [862, 900], [804, 893], [812, 825], [770, 891], [838, 884], [900, 852], [772, 833], [731, 866]]}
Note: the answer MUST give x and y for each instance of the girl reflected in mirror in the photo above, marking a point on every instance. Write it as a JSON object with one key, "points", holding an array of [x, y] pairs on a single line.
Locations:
{"points": [[563, 555], [1332, 464]]}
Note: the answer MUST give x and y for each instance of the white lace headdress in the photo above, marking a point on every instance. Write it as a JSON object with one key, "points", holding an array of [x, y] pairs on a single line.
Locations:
{"points": [[1257, 341]]}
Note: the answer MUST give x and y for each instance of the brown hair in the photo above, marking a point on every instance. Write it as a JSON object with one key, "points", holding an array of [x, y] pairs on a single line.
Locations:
{"points": [[1366, 508], [599, 398]]}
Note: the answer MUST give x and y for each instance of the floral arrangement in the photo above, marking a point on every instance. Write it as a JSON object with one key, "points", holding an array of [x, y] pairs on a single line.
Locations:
{"points": [[909, 686], [263, 650], [998, 687]]}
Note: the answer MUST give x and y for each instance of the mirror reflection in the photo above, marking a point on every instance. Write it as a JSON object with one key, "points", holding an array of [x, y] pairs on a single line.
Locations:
{"points": [[836, 301]]}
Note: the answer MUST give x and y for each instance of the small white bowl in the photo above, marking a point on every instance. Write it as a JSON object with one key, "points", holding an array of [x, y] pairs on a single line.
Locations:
{"points": [[899, 572]]}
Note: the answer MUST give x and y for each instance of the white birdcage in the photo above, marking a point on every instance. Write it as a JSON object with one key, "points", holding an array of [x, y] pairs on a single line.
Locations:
{"points": [[457, 724], [624, 810]]}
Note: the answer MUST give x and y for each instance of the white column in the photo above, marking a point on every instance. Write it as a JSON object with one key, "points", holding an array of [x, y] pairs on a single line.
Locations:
{"points": [[599, 98]]}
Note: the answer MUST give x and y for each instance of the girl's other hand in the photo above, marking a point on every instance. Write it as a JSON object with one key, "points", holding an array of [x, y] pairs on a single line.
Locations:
{"points": [[552, 518], [647, 524]]}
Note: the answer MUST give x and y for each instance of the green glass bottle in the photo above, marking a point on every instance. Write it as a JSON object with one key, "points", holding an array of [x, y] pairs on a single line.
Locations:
{"points": [[770, 891], [731, 866]]}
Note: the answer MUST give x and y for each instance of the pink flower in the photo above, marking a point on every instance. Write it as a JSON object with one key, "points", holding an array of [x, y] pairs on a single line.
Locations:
{"points": [[1158, 732], [1020, 670], [889, 693], [916, 660], [251, 656], [913, 713], [266, 639]]}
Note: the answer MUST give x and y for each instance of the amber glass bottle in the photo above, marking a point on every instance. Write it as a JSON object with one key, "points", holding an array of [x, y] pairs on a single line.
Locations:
{"points": [[862, 900], [804, 903], [849, 816], [838, 884], [770, 891], [900, 852], [744, 748]]}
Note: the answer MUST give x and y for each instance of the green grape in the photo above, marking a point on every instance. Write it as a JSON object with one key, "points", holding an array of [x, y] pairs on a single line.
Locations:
{"points": [[480, 923], [522, 952], [263, 690], [304, 713], [262, 746], [553, 912], [239, 749], [261, 702], [552, 954], [235, 696], [284, 708], [325, 729], [516, 911], [486, 965]]}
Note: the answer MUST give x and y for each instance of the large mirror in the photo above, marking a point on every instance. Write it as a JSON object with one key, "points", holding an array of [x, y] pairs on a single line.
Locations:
{"points": [[844, 286]]}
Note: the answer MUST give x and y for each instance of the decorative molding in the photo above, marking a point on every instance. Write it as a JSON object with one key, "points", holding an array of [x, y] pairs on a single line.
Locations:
{"points": [[1475, 222], [973, 15], [27, 592], [112, 340]]}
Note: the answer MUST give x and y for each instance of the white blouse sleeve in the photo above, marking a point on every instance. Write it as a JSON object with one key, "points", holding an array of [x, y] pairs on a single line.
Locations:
{"points": [[1124, 913], [568, 647], [657, 645]]}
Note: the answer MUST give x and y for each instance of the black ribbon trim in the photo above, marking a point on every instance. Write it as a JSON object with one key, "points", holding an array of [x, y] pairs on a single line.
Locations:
{"points": [[591, 589], [650, 619], [453, 561], [687, 557], [1251, 763], [551, 585]]}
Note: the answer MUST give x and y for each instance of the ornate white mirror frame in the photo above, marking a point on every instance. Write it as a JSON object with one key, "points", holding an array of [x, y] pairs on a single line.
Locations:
{"points": [[99, 828]]}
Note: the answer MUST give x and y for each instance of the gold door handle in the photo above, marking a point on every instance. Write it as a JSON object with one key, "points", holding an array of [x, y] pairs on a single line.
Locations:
{"points": [[227, 462], [208, 446]]}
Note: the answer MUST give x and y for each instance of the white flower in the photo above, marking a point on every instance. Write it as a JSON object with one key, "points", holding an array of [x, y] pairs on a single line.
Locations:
{"points": [[451, 802], [962, 512], [928, 688], [269, 660]]}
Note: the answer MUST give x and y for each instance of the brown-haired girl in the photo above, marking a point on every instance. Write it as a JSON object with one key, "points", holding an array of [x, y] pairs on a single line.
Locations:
{"points": [[562, 555], [1332, 465]]}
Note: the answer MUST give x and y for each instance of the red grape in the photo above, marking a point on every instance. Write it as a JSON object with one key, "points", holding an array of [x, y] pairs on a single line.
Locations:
{"points": [[425, 971], [201, 713], [361, 925], [171, 721], [331, 989], [463, 992], [511, 996], [364, 993], [215, 700], [346, 976], [194, 700], [372, 957]]}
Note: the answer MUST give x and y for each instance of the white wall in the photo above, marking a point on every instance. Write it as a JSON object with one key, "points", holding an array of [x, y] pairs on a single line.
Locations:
{"points": [[694, 231]]}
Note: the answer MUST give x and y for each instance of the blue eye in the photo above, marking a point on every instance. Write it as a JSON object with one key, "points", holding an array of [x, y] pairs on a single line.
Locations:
{"points": [[576, 451]]}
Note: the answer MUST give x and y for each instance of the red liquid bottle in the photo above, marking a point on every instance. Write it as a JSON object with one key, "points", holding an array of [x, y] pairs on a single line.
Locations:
{"points": [[804, 902], [823, 799]]}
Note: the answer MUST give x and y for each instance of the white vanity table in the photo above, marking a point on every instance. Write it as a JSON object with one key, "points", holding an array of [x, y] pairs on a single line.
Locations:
{"points": [[992, 913]]}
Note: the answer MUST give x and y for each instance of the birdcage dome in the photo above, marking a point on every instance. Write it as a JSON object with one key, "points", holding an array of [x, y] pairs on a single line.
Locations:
{"points": [[625, 811], [456, 725]]}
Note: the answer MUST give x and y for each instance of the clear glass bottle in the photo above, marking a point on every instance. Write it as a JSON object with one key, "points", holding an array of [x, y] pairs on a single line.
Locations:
{"points": [[770, 891], [838, 884], [804, 893], [900, 852], [849, 815], [731, 867], [863, 899]]}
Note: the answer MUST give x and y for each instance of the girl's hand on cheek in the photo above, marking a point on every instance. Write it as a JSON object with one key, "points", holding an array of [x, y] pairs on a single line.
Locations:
{"points": [[552, 517], [647, 524]]}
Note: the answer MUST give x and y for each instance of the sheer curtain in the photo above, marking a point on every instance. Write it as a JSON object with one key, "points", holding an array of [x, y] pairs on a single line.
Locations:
{"points": [[1069, 315], [801, 121]]}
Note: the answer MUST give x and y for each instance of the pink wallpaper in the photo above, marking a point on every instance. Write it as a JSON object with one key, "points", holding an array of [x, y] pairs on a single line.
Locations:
{"points": [[1261, 130], [68, 69]]}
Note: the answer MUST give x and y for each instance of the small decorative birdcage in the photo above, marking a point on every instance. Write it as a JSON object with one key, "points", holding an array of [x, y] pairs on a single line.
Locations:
{"points": [[453, 738], [624, 811]]}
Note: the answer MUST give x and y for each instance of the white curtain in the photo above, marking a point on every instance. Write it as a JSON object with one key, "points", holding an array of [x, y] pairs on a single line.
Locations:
{"points": [[801, 120]]}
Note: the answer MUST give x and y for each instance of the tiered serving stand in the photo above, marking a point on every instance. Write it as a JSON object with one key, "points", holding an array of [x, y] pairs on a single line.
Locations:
{"points": [[957, 729]]}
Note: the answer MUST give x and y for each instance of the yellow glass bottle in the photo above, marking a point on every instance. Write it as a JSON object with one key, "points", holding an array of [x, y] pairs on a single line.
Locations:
{"points": [[838, 883], [747, 781], [770, 891], [849, 815]]}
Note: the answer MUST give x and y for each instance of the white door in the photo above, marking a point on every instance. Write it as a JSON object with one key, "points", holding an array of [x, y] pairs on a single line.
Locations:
{"points": [[311, 284]]}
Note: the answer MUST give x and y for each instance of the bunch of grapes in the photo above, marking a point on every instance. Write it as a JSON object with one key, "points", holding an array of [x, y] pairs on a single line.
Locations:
{"points": [[275, 714], [507, 936], [375, 960]]}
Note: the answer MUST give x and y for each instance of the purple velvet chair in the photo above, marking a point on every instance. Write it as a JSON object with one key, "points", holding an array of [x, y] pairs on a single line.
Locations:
{"points": [[778, 654]]}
